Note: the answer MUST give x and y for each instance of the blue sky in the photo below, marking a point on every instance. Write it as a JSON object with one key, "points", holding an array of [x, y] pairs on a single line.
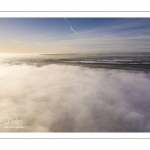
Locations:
{"points": [[71, 35]]}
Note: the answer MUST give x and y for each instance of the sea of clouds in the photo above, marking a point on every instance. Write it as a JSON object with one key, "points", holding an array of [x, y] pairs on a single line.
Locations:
{"points": [[63, 98]]}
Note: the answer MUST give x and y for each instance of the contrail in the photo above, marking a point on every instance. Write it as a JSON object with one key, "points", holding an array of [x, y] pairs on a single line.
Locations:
{"points": [[71, 26]]}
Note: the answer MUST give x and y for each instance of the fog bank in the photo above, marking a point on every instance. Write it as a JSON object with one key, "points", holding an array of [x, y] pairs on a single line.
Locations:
{"points": [[59, 98]]}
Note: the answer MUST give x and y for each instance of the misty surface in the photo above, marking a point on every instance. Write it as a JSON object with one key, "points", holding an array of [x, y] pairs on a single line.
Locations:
{"points": [[68, 98]]}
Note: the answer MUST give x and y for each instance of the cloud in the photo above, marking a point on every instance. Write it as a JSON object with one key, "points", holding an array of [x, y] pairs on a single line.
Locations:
{"points": [[17, 42], [59, 98], [73, 30], [125, 36], [48, 38], [71, 26]]}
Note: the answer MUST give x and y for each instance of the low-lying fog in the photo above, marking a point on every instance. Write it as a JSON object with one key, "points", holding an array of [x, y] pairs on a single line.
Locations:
{"points": [[63, 98]]}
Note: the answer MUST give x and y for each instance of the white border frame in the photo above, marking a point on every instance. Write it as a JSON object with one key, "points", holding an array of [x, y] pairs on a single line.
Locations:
{"points": [[75, 135], [73, 14], [72, 135]]}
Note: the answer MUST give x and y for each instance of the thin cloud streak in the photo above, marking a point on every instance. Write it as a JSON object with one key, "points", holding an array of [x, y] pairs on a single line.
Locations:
{"points": [[71, 26]]}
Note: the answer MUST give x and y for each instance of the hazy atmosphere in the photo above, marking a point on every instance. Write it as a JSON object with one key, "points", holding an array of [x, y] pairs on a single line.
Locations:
{"points": [[74, 75], [74, 35]]}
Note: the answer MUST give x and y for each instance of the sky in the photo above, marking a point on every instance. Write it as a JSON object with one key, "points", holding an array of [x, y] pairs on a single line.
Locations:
{"points": [[74, 35]]}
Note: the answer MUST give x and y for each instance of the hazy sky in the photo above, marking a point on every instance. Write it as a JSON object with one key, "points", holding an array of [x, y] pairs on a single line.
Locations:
{"points": [[70, 35]]}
